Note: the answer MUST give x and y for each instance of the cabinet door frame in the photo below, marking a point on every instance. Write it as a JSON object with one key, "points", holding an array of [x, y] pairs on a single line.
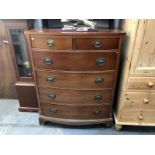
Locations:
{"points": [[135, 70], [17, 24]]}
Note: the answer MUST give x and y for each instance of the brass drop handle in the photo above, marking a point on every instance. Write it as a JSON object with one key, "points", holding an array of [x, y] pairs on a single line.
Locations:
{"points": [[140, 117], [96, 112], [97, 44], [146, 101], [98, 97], [50, 78], [48, 61], [52, 96], [50, 43], [53, 110], [100, 61], [99, 80], [150, 84]]}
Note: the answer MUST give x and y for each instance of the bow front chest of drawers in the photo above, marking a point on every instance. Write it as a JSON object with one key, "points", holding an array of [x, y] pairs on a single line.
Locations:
{"points": [[75, 74]]}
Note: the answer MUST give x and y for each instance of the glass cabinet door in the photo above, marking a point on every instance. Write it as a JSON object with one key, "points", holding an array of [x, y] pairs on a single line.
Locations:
{"points": [[21, 52]]}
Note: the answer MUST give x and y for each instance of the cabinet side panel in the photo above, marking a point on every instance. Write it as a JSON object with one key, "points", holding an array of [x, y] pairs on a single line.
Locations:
{"points": [[130, 27]]}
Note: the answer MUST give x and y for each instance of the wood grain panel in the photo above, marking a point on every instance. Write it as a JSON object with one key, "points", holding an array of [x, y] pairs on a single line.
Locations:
{"points": [[89, 44], [59, 43], [75, 112], [138, 116], [8, 74], [147, 83], [75, 61], [75, 80], [137, 100], [130, 26], [66, 96], [143, 62]]}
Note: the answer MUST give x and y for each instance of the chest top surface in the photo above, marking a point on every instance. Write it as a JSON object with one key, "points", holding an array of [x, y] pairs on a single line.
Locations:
{"points": [[59, 32]]}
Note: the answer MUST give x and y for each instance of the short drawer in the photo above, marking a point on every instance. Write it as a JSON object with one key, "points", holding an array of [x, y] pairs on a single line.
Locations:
{"points": [[75, 80], [75, 61], [75, 112], [96, 43], [138, 116], [51, 42], [139, 100], [67, 96], [141, 83]]}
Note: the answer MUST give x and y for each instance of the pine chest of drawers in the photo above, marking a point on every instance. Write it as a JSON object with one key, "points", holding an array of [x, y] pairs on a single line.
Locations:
{"points": [[136, 93], [75, 74]]}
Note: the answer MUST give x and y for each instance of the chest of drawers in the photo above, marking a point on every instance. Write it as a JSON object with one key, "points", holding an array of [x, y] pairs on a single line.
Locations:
{"points": [[75, 74], [136, 94]]}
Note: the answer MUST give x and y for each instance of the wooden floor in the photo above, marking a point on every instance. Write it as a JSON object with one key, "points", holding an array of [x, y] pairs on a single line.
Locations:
{"points": [[13, 122]]}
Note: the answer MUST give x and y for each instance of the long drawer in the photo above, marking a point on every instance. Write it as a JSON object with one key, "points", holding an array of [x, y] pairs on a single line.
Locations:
{"points": [[75, 61], [75, 112], [76, 80], [96, 43], [67, 96], [141, 83], [58, 43], [139, 100], [138, 116]]}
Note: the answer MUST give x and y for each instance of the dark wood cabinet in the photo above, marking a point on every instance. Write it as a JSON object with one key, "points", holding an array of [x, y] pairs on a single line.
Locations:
{"points": [[24, 83], [75, 74]]}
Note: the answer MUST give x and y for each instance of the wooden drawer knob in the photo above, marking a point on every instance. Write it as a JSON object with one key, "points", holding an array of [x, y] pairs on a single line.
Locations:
{"points": [[146, 101], [140, 117], [150, 84]]}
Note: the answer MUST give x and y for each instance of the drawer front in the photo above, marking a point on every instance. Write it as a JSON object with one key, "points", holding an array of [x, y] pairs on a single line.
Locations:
{"points": [[70, 80], [139, 100], [66, 96], [75, 112], [141, 83], [96, 43], [138, 116], [51, 43], [75, 61]]}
